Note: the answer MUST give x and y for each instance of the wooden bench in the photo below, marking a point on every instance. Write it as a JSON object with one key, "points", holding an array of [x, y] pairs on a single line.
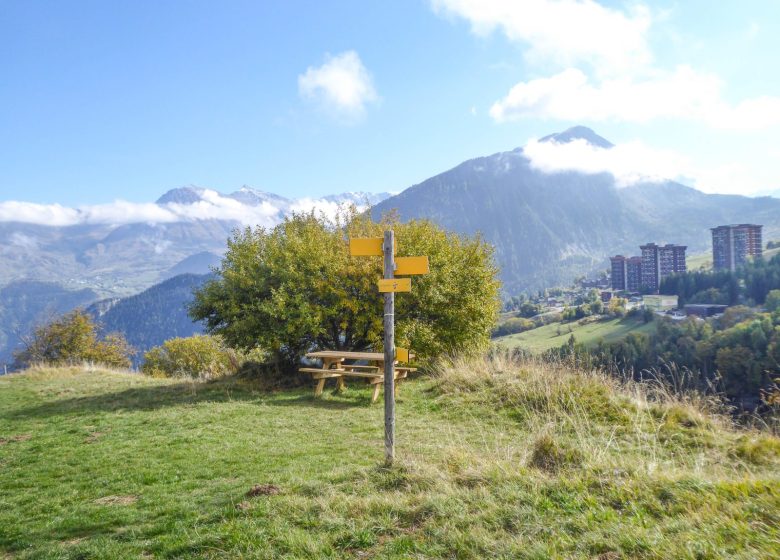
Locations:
{"points": [[371, 373]]}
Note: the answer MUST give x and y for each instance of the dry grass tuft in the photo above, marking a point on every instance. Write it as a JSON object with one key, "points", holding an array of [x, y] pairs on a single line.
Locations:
{"points": [[116, 500], [15, 439], [262, 490], [568, 417], [549, 455], [759, 449]]}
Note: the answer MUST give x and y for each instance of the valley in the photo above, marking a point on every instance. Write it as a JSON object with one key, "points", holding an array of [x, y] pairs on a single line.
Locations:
{"points": [[547, 228]]}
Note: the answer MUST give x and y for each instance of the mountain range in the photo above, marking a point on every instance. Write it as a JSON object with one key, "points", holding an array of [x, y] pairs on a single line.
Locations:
{"points": [[122, 249], [150, 318], [547, 227]]}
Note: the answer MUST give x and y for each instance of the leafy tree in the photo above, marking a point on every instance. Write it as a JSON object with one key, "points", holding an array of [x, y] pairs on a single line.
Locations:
{"points": [[736, 366], [73, 339], [617, 306], [295, 288], [772, 301]]}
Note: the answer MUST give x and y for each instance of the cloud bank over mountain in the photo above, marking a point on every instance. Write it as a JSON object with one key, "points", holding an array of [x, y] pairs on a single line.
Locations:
{"points": [[187, 204], [635, 162]]}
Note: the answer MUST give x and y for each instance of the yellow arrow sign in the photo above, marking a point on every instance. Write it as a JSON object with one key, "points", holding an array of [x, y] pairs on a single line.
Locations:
{"points": [[395, 285], [402, 355], [366, 247], [406, 266]]}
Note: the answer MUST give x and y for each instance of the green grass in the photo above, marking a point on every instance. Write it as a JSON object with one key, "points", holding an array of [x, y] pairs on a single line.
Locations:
{"points": [[704, 260], [495, 460], [695, 262], [589, 333]]}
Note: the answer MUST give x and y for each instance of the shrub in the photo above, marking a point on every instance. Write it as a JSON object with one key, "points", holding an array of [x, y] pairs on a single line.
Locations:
{"points": [[199, 356], [296, 288], [513, 326], [73, 339]]}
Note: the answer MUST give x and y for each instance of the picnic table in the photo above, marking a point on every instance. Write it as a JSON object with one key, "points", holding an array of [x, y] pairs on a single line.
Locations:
{"points": [[335, 366]]}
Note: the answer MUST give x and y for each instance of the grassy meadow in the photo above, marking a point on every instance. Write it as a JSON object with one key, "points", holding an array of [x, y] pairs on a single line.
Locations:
{"points": [[496, 459], [589, 332], [704, 260]]}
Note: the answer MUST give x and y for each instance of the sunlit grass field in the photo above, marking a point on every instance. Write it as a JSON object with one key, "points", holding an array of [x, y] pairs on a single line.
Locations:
{"points": [[589, 333], [496, 459], [704, 260]]}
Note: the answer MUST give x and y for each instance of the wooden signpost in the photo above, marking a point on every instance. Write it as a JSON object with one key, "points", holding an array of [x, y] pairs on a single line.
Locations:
{"points": [[389, 285]]}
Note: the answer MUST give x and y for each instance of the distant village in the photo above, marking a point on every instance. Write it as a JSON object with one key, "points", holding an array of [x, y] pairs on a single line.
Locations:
{"points": [[638, 278]]}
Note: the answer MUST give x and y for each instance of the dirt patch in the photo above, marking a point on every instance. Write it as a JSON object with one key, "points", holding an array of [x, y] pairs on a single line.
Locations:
{"points": [[116, 500], [243, 506], [77, 540], [93, 437], [262, 490], [19, 437]]}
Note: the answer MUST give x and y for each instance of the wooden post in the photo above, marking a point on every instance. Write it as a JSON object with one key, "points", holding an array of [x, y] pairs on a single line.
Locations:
{"points": [[389, 244]]}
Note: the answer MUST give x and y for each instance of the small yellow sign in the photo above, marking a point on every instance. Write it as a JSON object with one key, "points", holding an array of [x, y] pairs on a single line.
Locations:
{"points": [[395, 285], [407, 266], [366, 247], [402, 355]]}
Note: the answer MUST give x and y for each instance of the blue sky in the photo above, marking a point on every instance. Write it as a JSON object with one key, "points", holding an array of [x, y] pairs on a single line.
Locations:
{"points": [[124, 100]]}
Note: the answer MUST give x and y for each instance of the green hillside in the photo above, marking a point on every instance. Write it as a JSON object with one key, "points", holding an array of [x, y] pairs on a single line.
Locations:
{"points": [[496, 460], [588, 332], [696, 262], [704, 260]]}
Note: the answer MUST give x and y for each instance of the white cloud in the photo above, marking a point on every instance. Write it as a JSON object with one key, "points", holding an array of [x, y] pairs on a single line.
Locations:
{"points": [[629, 163], [607, 70], [46, 214], [327, 207], [565, 32], [342, 86], [634, 162], [683, 94], [212, 206]]}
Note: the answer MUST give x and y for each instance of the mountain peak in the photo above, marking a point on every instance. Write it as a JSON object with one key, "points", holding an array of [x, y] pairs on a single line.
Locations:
{"points": [[578, 133], [182, 195]]}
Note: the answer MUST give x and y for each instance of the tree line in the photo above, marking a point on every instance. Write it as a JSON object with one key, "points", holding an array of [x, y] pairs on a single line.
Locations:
{"points": [[749, 284], [736, 354]]}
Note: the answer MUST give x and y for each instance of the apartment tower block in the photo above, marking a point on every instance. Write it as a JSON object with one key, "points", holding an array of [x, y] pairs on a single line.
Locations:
{"points": [[658, 262], [732, 245], [626, 273]]}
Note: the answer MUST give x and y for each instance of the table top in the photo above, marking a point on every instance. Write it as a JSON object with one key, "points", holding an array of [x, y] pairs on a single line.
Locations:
{"points": [[374, 356]]}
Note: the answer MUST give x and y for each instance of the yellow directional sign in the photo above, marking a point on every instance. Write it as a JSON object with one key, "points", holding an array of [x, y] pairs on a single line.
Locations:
{"points": [[402, 355], [366, 247], [406, 266], [395, 285]]}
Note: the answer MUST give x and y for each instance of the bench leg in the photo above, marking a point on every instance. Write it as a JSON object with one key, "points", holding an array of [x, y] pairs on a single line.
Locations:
{"points": [[320, 386], [340, 386], [375, 396], [395, 387]]}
